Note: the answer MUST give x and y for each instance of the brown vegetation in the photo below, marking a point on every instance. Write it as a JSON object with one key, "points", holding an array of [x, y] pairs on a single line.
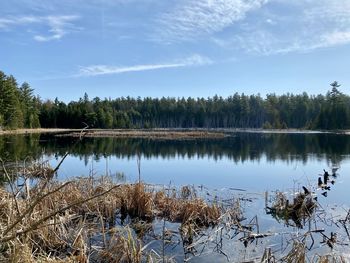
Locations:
{"points": [[293, 212], [152, 134], [52, 221], [99, 220], [38, 130]]}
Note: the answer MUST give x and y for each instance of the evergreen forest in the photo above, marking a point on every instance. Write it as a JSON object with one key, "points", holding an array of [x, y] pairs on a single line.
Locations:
{"points": [[21, 108]]}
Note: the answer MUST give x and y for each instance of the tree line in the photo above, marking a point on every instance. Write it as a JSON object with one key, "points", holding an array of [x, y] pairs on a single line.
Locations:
{"points": [[20, 108]]}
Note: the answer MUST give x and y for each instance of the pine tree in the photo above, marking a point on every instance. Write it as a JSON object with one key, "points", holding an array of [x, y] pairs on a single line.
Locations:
{"points": [[9, 105]]}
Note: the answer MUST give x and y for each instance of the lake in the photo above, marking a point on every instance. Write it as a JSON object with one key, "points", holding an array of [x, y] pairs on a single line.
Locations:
{"points": [[250, 161], [242, 164]]}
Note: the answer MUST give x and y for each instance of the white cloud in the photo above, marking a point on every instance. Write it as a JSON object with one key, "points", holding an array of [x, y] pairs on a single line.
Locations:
{"points": [[59, 25], [201, 17], [337, 38], [7, 23], [95, 70], [308, 25]]}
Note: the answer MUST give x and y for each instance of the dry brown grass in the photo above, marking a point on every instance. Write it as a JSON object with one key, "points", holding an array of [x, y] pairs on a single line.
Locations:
{"points": [[153, 134], [38, 130], [187, 211], [293, 212], [297, 254], [329, 259], [38, 170], [138, 203], [54, 220], [123, 133], [122, 247]]}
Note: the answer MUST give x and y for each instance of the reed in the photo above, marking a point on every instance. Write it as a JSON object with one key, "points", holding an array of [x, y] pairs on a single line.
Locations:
{"points": [[122, 247], [75, 221], [297, 254], [293, 212], [329, 259]]}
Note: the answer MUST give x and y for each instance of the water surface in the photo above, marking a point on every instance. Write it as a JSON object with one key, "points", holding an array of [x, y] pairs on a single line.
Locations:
{"points": [[252, 161], [242, 164]]}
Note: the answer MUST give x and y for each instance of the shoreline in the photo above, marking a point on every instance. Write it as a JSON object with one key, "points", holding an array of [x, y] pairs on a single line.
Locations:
{"points": [[165, 133], [34, 131]]}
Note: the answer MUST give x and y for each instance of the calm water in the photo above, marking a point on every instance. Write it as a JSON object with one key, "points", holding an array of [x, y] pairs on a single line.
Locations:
{"points": [[250, 161], [253, 162]]}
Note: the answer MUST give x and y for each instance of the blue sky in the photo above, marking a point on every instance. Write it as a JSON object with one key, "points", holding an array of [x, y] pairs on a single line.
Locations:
{"points": [[198, 48]]}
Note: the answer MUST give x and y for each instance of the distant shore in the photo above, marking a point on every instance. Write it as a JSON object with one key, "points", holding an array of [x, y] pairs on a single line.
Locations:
{"points": [[124, 133], [159, 133], [152, 134], [39, 130]]}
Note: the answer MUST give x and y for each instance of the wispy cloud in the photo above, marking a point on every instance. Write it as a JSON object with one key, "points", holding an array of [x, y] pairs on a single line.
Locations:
{"points": [[309, 25], [337, 38], [96, 70], [202, 17], [8, 22], [58, 25]]}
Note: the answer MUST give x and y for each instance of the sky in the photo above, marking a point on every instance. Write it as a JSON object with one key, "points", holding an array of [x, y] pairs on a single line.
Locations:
{"points": [[176, 48]]}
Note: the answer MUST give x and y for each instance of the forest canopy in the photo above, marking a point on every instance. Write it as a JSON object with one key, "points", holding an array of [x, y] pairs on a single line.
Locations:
{"points": [[20, 108]]}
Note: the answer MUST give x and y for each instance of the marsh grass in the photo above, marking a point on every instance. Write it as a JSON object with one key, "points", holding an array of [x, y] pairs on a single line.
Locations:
{"points": [[297, 254], [163, 134], [122, 246], [53, 221], [98, 220], [330, 259], [293, 212]]}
